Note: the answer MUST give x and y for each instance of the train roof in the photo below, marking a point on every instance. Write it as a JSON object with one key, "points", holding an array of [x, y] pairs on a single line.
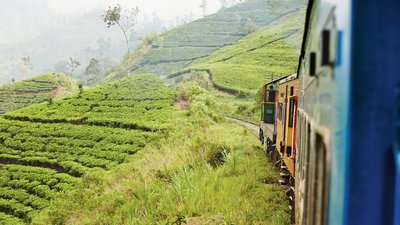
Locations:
{"points": [[282, 79], [277, 80], [288, 78], [305, 34]]}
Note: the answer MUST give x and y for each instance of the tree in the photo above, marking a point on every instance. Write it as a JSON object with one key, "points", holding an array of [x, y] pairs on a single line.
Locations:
{"points": [[125, 19], [203, 7], [92, 72], [26, 66], [149, 39], [73, 64], [224, 3], [251, 26]]}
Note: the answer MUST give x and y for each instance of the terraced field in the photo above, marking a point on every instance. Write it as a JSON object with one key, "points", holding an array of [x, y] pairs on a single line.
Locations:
{"points": [[272, 51], [178, 48], [46, 148], [35, 90]]}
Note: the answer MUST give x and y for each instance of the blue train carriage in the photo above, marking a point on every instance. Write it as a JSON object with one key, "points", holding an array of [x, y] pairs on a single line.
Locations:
{"points": [[346, 168]]}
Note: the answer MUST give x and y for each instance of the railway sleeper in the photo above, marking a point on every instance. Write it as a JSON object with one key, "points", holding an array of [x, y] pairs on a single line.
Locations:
{"points": [[285, 174], [278, 162], [283, 182]]}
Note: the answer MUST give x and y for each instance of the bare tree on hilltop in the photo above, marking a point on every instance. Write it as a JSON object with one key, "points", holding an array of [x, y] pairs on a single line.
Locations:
{"points": [[125, 19], [73, 64], [26, 66], [224, 3], [203, 7]]}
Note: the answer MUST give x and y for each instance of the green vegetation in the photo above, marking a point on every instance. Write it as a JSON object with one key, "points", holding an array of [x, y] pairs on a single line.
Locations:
{"points": [[135, 103], [178, 48], [35, 90], [204, 170], [245, 65], [120, 153], [238, 63], [45, 148]]}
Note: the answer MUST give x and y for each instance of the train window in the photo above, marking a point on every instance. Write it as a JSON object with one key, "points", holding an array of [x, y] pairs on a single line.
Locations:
{"points": [[313, 64], [326, 47], [291, 111], [280, 113], [291, 91], [271, 96]]}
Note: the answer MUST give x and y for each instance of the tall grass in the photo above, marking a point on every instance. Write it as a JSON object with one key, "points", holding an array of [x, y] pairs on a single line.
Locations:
{"points": [[172, 181]]}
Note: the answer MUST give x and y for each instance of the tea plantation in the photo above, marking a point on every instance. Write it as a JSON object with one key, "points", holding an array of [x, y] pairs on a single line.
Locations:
{"points": [[178, 48], [35, 90], [46, 148], [272, 51]]}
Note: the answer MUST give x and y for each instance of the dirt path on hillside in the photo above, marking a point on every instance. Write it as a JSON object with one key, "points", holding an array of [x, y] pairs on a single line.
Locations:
{"points": [[250, 126], [57, 92], [181, 104]]}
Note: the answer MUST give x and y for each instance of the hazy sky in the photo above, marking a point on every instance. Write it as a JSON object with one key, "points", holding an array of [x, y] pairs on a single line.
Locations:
{"points": [[165, 9]]}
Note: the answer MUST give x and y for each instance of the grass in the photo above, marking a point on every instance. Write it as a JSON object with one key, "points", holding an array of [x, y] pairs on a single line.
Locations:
{"points": [[173, 181], [35, 90], [245, 65]]}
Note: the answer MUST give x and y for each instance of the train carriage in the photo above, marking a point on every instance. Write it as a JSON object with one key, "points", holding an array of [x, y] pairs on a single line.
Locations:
{"points": [[345, 135]]}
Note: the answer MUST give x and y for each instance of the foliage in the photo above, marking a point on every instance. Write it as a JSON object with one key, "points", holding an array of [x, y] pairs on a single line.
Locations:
{"points": [[92, 72], [149, 39], [125, 19], [129, 103], [179, 47], [171, 180], [35, 90], [73, 64], [243, 66], [46, 148]]}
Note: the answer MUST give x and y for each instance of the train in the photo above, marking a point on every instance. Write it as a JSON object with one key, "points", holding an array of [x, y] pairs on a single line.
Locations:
{"points": [[333, 128]]}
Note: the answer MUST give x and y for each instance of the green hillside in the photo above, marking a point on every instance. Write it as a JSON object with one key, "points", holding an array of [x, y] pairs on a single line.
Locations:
{"points": [[178, 48], [46, 148], [245, 65], [121, 153], [35, 90]]}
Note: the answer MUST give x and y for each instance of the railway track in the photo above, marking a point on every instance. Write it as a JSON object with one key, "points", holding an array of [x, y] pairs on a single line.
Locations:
{"points": [[250, 126]]}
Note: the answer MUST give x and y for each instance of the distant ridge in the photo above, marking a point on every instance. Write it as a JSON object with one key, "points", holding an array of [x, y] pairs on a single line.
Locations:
{"points": [[178, 48]]}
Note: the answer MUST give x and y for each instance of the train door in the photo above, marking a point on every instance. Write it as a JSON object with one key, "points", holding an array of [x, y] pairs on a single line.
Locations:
{"points": [[302, 166], [312, 172], [318, 176]]}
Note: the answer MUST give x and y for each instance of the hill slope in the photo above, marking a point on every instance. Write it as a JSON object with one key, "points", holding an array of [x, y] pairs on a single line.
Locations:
{"points": [[178, 48], [45, 148], [35, 90], [246, 64]]}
